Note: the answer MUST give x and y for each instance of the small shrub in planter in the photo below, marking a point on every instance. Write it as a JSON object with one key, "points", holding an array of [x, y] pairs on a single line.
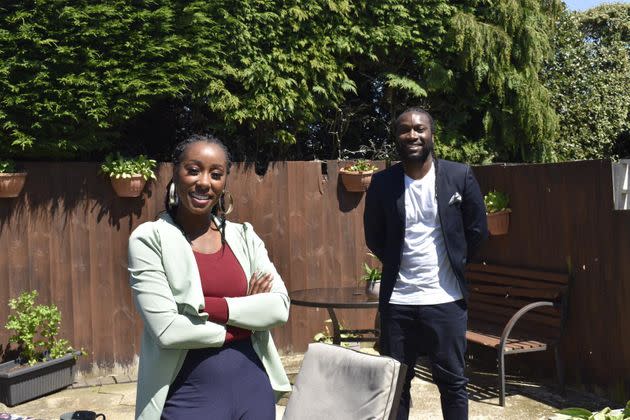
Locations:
{"points": [[128, 175], [357, 177], [45, 363], [498, 212], [11, 181]]}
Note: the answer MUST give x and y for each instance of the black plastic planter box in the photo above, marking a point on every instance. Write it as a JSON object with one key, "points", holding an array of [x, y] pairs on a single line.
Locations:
{"points": [[31, 382]]}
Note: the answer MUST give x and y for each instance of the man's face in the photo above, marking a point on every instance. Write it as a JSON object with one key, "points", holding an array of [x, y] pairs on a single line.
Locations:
{"points": [[414, 137]]}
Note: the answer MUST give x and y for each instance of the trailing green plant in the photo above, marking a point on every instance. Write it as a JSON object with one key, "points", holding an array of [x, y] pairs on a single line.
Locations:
{"points": [[7, 167], [117, 166], [35, 329], [362, 165], [496, 201], [605, 414]]}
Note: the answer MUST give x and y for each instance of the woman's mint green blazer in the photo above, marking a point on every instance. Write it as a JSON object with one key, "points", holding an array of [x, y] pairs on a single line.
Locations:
{"points": [[167, 291]]}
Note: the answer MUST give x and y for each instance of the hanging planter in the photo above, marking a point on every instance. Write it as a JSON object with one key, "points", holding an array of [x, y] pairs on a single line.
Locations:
{"points": [[357, 177], [497, 212], [128, 175], [129, 187], [499, 222], [11, 182]]}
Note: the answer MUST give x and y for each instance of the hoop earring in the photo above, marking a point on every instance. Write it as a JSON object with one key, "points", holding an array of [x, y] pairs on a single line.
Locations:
{"points": [[173, 198], [230, 207]]}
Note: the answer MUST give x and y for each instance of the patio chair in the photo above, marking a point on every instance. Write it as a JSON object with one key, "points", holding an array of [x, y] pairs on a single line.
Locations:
{"points": [[338, 383]]}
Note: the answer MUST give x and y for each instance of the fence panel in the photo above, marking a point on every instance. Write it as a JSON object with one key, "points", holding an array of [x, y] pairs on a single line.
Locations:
{"points": [[66, 235]]}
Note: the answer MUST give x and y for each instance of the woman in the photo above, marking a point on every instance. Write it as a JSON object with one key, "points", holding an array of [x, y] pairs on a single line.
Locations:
{"points": [[208, 295]]}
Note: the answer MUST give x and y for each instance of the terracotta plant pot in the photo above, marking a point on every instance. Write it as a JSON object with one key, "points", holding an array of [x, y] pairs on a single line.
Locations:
{"points": [[355, 181], [499, 222], [11, 184], [129, 187]]}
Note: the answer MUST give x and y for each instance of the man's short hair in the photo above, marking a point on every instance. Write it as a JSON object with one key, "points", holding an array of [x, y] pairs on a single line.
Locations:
{"points": [[417, 110]]}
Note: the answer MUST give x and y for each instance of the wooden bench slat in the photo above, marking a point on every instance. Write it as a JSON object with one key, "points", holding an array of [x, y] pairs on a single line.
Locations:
{"points": [[483, 278], [508, 307], [514, 303], [535, 329], [544, 294], [507, 313], [519, 272], [512, 344], [484, 339]]}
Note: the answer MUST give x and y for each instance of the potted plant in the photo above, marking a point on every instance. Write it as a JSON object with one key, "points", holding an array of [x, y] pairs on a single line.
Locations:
{"points": [[498, 212], [11, 181], [45, 363], [372, 279], [128, 175], [357, 177]]}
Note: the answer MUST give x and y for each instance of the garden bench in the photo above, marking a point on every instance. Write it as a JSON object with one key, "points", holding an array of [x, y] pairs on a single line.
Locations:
{"points": [[516, 310]]}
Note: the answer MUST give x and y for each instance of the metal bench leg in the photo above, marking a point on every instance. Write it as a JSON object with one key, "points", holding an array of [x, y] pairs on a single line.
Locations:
{"points": [[501, 377]]}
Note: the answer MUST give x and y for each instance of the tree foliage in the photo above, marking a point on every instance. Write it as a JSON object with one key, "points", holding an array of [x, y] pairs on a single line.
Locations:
{"points": [[589, 77], [70, 71], [277, 79]]}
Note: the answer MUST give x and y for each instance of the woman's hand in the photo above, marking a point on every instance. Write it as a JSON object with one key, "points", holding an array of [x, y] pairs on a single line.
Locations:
{"points": [[259, 283]]}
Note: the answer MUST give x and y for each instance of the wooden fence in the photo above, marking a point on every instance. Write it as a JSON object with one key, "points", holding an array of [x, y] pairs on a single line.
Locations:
{"points": [[66, 236]]}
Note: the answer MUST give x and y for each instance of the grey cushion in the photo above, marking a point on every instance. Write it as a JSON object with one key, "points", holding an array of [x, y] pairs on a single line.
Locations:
{"points": [[339, 383]]}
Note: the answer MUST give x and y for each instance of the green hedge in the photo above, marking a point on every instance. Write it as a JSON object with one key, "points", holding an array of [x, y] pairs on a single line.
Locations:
{"points": [[279, 78]]}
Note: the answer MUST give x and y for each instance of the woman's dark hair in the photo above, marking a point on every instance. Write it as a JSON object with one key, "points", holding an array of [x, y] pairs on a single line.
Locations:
{"points": [[176, 159]]}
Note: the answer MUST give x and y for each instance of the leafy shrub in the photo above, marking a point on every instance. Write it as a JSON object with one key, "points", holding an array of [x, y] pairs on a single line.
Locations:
{"points": [[121, 167], [7, 167], [35, 329], [496, 201], [605, 414], [588, 77], [362, 165], [74, 74]]}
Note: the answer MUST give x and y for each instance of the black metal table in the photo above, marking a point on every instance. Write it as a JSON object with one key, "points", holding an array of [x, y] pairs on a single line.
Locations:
{"points": [[333, 298]]}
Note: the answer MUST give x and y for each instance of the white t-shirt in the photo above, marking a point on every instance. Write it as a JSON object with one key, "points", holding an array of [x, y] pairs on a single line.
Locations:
{"points": [[426, 276]]}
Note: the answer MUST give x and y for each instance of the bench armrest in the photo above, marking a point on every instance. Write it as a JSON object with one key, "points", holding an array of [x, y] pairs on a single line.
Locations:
{"points": [[508, 327]]}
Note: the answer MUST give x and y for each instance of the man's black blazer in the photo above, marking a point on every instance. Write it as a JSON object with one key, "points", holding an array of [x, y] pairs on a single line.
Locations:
{"points": [[460, 207]]}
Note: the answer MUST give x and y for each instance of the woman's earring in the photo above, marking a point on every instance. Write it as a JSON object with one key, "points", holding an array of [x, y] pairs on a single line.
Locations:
{"points": [[226, 195], [173, 199]]}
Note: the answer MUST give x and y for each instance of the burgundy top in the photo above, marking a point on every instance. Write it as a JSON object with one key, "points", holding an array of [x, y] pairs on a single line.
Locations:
{"points": [[222, 276]]}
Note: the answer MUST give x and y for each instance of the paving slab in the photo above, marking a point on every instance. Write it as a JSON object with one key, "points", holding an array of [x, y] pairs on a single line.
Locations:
{"points": [[526, 399]]}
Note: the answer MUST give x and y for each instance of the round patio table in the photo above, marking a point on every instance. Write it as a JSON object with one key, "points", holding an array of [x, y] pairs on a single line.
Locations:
{"points": [[337, 297]]}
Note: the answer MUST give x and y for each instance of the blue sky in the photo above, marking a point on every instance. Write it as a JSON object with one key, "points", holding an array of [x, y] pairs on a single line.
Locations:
{"points": [[587, 4]]}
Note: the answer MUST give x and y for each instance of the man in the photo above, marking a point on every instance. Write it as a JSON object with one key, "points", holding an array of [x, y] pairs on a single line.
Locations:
{"points": [[423, 218]]}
